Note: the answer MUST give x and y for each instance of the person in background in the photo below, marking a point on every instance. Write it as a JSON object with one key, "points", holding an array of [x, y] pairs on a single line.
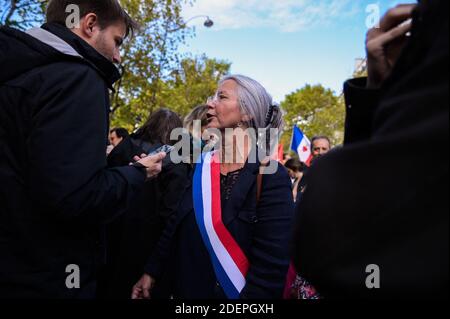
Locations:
{"points": [[199, 115], [286, 157], [369, 226], [320, 145], [296, 287], [131, 239], [117, 135], [295, 170]]}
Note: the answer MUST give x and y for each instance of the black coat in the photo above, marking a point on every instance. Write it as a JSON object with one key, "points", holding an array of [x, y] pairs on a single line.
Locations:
{"points": [[55, 189], [262, 231], [383, 198], [123, 153], [132, 237]]}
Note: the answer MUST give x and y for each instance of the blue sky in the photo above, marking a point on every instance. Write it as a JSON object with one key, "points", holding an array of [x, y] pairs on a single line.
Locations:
{"points": [[285, 44]]}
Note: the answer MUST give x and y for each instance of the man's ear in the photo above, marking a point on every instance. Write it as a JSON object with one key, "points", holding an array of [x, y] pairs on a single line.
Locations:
{"points": [[89, 25]]}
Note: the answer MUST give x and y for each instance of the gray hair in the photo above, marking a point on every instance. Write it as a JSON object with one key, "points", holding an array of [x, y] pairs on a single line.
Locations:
{"points": [[257, 103]]}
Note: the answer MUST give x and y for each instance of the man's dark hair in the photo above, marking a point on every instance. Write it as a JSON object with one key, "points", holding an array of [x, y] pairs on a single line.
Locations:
{"points": [[158, 127], [320, 137], [108, 12], [295, 165], [120, 132]]}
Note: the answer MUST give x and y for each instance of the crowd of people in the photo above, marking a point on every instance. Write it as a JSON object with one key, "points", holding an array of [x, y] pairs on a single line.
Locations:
{"points": [[220, 224]]}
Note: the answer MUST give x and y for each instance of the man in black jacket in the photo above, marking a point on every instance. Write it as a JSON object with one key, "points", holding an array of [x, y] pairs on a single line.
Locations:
{"points": [[55, 189], [382, 231]]}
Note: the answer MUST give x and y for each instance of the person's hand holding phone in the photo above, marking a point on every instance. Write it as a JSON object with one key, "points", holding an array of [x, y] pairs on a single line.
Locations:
{"points": [[385, 44], [152, 164]]}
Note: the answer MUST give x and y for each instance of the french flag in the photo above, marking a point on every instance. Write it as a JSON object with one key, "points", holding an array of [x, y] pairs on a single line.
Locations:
{"points": [[301, 145]]}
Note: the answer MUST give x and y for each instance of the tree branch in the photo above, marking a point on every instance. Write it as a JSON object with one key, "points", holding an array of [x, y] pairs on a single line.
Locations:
{"points": [[11, 12]]}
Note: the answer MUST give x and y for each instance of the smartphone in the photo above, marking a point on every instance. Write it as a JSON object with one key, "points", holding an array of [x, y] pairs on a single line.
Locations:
{"points": [[163, 149]]}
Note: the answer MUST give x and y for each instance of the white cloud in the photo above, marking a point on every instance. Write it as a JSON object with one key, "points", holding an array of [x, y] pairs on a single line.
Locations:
{"points": [[284, 15]]}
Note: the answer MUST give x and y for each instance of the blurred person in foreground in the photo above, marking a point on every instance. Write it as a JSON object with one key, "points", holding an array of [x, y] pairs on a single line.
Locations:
{"points": [[369, 226]]}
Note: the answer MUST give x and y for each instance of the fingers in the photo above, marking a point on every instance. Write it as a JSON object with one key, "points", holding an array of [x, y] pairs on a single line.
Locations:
{"points": [[397, 32], [372, 34], [153, 164], [159, 157], [149, 160], [142, 289], [396, 16], [394, 19], [146, 293], [393, 34], [136, 158], [136, 293], [153, 159], [385, 44]]}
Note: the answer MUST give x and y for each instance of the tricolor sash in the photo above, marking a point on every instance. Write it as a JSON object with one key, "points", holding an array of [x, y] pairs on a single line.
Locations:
{"points": [[229, 261]]}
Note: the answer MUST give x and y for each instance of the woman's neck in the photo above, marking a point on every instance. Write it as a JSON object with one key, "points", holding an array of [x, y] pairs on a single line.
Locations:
{"points": [[235, 151]]}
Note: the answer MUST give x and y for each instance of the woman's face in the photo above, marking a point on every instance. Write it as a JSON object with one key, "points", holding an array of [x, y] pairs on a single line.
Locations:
{"points": [[224, 111], [294, 174], [291, 173]]}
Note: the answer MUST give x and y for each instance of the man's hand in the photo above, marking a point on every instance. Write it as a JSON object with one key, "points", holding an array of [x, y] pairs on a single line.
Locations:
{"points": [[143, 287], [385, 44], [153, 164]]}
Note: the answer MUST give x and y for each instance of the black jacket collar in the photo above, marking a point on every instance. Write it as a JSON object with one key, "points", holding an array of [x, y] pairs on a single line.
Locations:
{"points": [[105, 67]]}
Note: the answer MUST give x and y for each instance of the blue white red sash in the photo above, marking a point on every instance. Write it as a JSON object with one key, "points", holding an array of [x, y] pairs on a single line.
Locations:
{"points": [[229, 262]]}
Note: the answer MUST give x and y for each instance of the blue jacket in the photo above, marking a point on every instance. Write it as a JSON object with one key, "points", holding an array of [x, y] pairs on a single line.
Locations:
{"points": [[261, 229]]}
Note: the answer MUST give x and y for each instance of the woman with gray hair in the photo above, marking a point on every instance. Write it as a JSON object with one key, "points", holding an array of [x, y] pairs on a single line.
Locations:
{"points": [[255, 103], [229, 239], [256, 108]]}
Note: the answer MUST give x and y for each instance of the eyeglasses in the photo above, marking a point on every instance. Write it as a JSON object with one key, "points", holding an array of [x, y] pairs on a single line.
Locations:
{"points": [[212, 99], [219, 97]]}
